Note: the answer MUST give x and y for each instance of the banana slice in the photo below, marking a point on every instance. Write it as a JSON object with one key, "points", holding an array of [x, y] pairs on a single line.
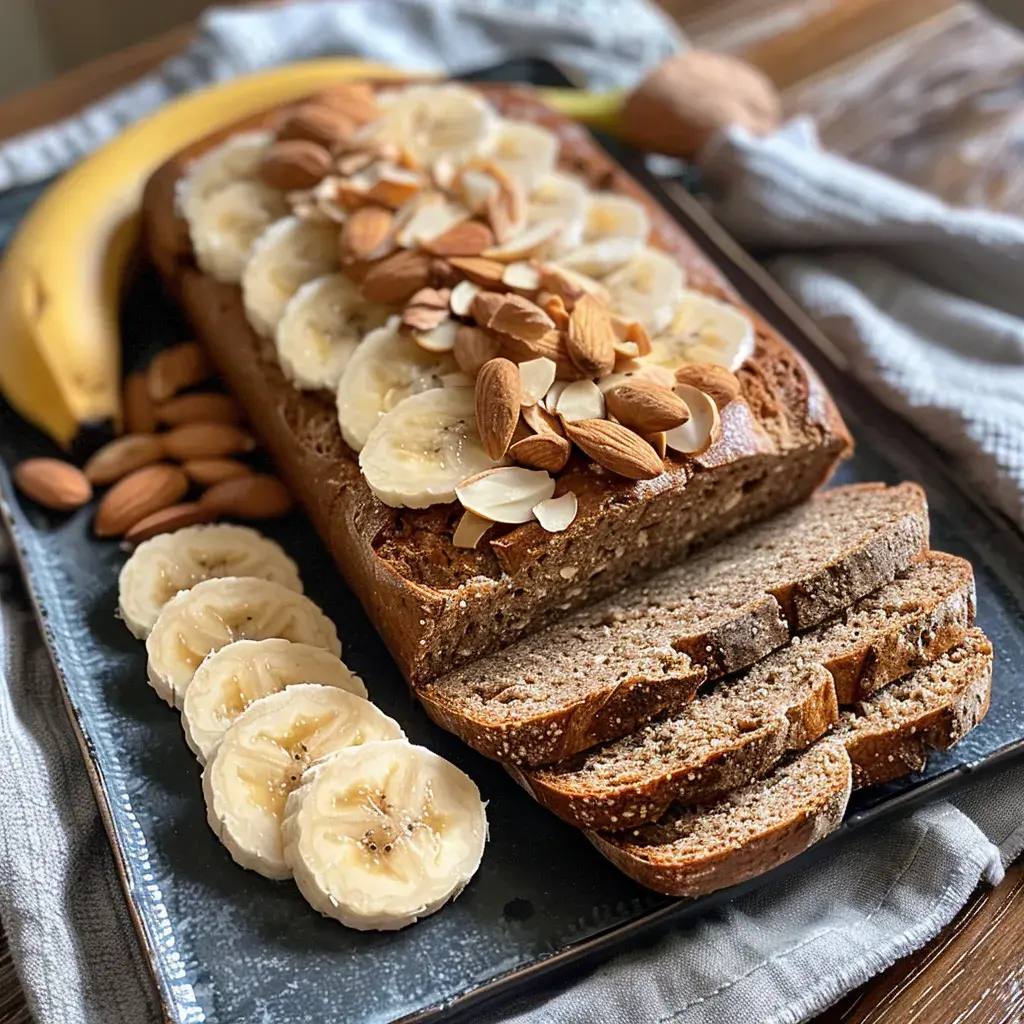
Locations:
{"points": [[172, 562], [420, 451], [217, 612], [439, 121], [380, 835], [563, 197], [263, 756], [224, 227], [385, 369], [236, 159], [526, 151], [289, 253], [646, 289], [323, 323], [610, 215], [231, 679], [703, 329]]}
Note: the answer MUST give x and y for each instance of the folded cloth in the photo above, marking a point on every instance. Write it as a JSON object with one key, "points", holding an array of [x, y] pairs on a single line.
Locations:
{"points": [[786, 951]]}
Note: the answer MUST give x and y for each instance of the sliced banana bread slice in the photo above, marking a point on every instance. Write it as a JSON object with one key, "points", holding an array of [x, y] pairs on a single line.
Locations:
{"points": [[605, 669], [890, 733], [747, 833], [740, 729]]}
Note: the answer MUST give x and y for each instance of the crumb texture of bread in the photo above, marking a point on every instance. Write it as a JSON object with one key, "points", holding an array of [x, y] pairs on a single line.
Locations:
{"points": [[437, 606], [696, 850], [615, 664]]}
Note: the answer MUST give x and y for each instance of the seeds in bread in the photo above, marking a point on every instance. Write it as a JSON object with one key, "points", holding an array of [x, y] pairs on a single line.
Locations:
{"points": [[606, 669], [697, 850], [891, 733]]}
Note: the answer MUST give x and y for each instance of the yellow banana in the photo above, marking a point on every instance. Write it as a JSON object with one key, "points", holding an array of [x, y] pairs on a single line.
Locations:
{"points": [[61, 278]]}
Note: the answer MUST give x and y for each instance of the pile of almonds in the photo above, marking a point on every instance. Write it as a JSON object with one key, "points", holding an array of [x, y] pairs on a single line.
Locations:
{"points": [[177, 441]]}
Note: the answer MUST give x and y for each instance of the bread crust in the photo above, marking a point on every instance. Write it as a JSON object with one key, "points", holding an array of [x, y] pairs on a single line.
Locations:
{"points": [[435, 606]]}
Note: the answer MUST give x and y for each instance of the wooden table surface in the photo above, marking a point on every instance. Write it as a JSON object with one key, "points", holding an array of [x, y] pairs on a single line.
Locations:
{"points": [[931, 91]]}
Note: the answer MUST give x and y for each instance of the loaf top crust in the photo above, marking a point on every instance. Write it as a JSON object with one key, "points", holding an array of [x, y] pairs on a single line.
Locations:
{"points": [[785, 405]]}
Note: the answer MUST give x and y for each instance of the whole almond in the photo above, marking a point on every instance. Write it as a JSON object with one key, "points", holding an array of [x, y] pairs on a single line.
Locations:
{"points": [[53, 483], [712, 379], [249, 497], [521, 319], [616, 448], [646, 407], [139, 413], [396, 278], [542, 451], [353, 99], [174, 517], [468, 238], [481, 271], [138, 495], [497, 405], [443, 274], [317, 122], [590, 339], [365, 232], [176, 368], [473, 348], [199, 407], [207, 472], [206, 441], [551, 345], [485, 306], [295, 164], [122, 456]]}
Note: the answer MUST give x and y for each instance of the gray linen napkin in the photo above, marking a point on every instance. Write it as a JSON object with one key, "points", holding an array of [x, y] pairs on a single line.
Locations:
{"points": [[784, 952]]}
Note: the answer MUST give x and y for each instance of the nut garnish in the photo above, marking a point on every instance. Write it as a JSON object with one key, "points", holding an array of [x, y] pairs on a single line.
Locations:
{"points": [[539, 420], [396, 278], [522, 277], [497, 405], [472, 348], [554, 306], [206, 441], [659, 442], [469, 238], [519, 318], [122, 456], [557, 514], [507, 494], [174, 369], [646, 407], [470, 530], [199, 407], [463, 294], [485, 306], [531, 241], [716, 381], [365, 233], [53, 484], [581, 400], [426, 309], [703, 427], [295, 164], [356, 100], [535, 377], [440, 338], [484, 272], [546, 450], [317, 122], [616, 448], [259, 496], [138, 495], [591, 340]]}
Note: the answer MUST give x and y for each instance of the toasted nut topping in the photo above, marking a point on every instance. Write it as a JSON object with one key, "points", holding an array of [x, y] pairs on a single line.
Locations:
{"points": [[497, 405]]}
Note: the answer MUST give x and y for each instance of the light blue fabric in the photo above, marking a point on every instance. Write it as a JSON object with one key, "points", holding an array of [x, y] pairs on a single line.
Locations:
{"points": [[917, 296]]}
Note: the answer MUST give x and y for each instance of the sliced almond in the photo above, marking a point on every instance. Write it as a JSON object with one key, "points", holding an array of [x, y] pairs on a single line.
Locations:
{"points": [[426, 309], [703, 427], [207, 472], [469, 238], [396, 278], [440, 339], [530, 242], [199, 407], [139, 411], [636, 334], [365, 233], [580, 400], [138, 495], [507, 494], [520, 318], [472, 348], [550, 345], [539, 420], [542, 451], [442, 174], [590, 340], [470, 530], [394, 186], [484, 272], [122, 456], [52, 483], [497, 405], [569, 285], [176, 368], [462, 297], [659, 442], [426, 218], [626, 355], [535, 378], [353, 163], [475, 188], [716, 381], [554, 306], [616, 448], [646, 407], [206, 441], [557, 514], [521, 277], [554, 393], [167, 520], [259, 496]]}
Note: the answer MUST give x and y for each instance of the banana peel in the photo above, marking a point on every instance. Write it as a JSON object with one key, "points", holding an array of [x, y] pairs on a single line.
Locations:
{"points": [[62, 276]]}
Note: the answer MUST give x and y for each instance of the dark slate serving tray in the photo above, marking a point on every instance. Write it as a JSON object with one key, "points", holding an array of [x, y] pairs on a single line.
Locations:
{"points": [[228, 946]]}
